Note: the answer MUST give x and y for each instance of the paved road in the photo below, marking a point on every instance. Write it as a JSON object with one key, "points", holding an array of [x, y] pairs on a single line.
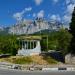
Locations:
{"points": [[12, 72]]}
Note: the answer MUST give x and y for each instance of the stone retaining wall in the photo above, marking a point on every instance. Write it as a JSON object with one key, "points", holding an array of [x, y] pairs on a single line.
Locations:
{"points": [[70, 59]]}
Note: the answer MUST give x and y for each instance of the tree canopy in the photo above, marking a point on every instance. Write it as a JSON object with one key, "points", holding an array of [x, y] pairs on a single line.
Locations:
{"points": [[8, 44], [58, 40]]}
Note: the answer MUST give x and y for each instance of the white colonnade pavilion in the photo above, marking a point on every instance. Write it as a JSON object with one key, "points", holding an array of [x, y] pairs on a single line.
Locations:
{"points": [[29, 45]]}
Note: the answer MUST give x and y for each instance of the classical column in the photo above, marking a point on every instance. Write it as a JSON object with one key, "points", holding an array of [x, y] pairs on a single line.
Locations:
{"points": [[19, 43], [22, 43], [33, 44], [27, 45], [30, 44]]}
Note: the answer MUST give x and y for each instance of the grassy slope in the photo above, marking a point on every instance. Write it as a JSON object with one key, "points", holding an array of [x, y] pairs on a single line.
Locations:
{"points": [[30, 60]]}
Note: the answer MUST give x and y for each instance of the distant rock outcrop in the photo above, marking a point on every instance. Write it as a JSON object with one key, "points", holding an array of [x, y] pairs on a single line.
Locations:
{"points": [[32, 26]]}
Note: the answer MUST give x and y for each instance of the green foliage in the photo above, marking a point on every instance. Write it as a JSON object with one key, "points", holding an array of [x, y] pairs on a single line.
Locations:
{"points": [[64, 40], [8, 44], [58, 40]]}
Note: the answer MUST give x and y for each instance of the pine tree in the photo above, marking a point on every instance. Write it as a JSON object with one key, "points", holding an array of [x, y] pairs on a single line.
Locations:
{"points": [[72, 31]]}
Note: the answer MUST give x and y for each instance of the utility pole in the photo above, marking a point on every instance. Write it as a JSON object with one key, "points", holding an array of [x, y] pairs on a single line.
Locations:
{"points": [[47, 42], [39, 25]]}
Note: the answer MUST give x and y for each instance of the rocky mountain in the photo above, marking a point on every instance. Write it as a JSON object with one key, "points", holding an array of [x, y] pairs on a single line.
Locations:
{"points": [[34, 26], [1, 28], [4, 30]]}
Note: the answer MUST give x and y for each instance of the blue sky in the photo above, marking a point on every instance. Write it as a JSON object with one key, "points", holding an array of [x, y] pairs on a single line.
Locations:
{"points": [[12, 11]]}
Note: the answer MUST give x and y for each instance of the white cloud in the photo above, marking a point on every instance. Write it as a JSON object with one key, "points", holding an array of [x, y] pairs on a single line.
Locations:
{"points": [[70, 8], [38, 2], [67, 1], [40, 14], [34, 14], [55, 1], [58, 18], [67, 18], [55, 17], [70, 2], [28, 9], [19, 15]]}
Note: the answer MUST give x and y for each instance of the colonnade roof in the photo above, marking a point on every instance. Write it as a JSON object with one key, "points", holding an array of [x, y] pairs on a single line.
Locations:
{"points": [[29, 37]]}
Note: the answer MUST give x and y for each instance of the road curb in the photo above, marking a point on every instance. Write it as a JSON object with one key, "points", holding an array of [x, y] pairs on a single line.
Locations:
{"points": [[19, 67], [59, 69]]}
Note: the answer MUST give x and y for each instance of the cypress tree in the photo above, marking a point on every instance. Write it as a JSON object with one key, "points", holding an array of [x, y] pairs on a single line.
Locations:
{"points": [[72, 31], [72, 24]]}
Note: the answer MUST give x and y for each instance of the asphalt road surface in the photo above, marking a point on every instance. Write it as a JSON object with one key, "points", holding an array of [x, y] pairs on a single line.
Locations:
{"points": [[13, 72]]}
